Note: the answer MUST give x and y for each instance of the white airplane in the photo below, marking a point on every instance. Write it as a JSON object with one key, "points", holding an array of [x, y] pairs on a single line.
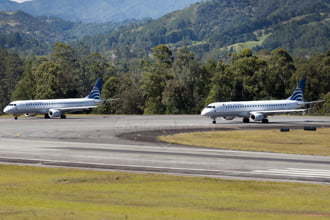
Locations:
{"points": [[258, 110], [55, 108]]}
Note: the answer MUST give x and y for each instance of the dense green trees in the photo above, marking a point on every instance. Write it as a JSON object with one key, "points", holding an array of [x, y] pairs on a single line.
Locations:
{"points": [[62, 74], [11, 69], [167, 82]]}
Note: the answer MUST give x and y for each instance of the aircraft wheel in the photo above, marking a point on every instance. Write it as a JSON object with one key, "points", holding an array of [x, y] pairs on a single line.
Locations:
{"points": [[15, 117], [47, 116], [214, 121], [246, 120], [63, 116], [265, 121]]}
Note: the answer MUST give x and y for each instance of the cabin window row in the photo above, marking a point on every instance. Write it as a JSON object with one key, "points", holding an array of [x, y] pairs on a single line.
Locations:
{"points": [[39, 104], [255, 106]]}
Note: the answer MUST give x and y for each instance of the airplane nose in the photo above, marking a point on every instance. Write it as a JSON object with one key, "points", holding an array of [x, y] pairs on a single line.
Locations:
{"points": [[6, 109], [207, 112], [204, 112]]}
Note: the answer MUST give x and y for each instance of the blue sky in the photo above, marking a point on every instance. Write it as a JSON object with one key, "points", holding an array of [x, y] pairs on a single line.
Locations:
{"points": [[20, 1]]}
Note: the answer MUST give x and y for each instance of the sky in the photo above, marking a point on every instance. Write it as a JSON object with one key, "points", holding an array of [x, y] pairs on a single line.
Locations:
{"points": [[20, 1]]}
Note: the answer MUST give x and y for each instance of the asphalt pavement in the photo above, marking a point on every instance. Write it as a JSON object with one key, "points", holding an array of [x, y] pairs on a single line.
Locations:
{"points": [[128, 143]]}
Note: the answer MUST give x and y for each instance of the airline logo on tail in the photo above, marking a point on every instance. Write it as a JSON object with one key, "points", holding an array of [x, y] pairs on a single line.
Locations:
{"points": [[298, 94], [96, 91]]}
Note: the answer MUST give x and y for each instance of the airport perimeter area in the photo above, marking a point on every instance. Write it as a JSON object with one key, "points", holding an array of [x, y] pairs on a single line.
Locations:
{"points": [[63, 171], [129, 143]]}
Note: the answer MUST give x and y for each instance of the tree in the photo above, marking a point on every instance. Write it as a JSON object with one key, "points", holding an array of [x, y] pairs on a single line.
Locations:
{"points": [[154, 80], [325, 109], [281, 68], [316, 71], [244, 69], [222, 84], [11, 69], [91, 67], [174, 98], [47, 84], [163, 55], [25, 88], [111, 89]]}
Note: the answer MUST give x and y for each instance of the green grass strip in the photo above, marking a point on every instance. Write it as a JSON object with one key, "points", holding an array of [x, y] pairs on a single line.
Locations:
{"points": [[293, 142], [48, 193]]}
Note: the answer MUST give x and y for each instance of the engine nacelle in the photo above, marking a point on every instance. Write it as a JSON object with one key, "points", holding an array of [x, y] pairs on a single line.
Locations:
{"points": [[229, 118], [54, 113], [257, 117]]}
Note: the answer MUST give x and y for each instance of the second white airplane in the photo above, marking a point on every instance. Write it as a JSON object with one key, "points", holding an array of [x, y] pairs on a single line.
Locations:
{"points": [[56, 108], [258, 110]]}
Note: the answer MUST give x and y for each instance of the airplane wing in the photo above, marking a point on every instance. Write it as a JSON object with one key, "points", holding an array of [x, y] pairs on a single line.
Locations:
{"points": [[69, 109], [275, 112]]}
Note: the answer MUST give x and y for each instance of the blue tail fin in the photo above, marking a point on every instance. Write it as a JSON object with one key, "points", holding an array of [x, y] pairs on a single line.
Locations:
{"points": [[96, 91], [298, 93]]}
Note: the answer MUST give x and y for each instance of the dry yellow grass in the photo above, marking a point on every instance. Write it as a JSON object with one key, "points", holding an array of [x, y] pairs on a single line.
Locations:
{"points": [[294, 142]]}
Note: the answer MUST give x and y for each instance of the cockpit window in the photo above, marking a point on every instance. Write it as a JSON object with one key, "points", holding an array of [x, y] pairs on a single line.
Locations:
{"points": [[210, 106], [12, 104]]}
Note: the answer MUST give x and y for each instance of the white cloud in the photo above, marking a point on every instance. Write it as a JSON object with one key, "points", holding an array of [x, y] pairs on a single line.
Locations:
{"points": [[20, 1]]}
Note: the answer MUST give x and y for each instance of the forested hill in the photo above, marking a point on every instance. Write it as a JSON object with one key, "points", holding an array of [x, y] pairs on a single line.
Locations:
{"points": [[36, 35], [97, 10], [221, 26], [27, 33]]}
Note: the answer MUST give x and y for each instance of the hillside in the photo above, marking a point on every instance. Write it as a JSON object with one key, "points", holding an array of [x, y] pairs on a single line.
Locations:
{"points": [[28, 34], [97, 10], [218, 27]]}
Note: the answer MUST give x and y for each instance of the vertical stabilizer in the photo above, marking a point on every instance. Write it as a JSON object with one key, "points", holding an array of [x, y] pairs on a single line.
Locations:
{"points": [[96, 91], [298, 93]]}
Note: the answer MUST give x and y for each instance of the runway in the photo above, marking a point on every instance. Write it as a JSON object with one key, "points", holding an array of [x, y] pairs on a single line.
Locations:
{"points": [[127, 143]]}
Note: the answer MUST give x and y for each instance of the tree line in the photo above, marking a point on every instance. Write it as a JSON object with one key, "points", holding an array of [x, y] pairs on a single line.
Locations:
{"points": [[167, 81]]}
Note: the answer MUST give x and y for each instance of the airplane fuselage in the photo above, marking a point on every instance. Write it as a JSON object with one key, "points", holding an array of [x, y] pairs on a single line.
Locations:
{"points": [[44, 106], [255, 109]]}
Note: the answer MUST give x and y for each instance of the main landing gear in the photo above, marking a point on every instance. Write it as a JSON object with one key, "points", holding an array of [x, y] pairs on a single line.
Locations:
{"points": [[47, 116], [265, 121], [63, 116], [15, 117], [214, 121], [246, 120]]}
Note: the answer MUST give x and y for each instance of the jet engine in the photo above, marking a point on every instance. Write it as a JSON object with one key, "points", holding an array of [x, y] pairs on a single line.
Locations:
{"points": [[54, 113], [229, 118], [257, 116]]}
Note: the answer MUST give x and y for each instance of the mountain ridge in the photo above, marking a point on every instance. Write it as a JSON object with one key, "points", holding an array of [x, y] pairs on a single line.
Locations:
{"points": [[97, 10], [219, 26]]}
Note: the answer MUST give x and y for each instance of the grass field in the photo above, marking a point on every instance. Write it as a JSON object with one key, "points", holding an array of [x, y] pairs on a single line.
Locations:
{"points": [[294, 142], [48, 193]]}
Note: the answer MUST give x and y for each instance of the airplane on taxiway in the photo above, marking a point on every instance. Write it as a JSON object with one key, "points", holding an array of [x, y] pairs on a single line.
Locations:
{"points": [[258, 110], [55, 108]]}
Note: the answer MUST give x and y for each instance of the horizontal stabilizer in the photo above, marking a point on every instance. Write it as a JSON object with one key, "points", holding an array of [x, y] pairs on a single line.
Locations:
{"points": [[313, 102]]}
